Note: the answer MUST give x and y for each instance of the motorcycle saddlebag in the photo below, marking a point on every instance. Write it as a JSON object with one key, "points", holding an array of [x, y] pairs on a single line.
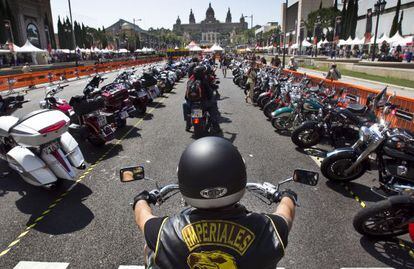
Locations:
{"points": [[83, 106], [114, 94], [148, 80]]}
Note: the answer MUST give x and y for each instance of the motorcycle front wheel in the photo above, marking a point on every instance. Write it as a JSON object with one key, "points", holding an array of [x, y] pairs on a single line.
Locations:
{"points": [[384, 219], [306, 135], [281, 123], [334, 166]]}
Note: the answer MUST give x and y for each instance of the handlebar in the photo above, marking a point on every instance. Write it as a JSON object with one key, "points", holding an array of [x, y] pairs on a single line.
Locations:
{"points": [[267, 192]]}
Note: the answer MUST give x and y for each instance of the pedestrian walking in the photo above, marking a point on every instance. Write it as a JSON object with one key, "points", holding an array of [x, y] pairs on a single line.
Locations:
{"points": [[251, 82], [224, 65], [333, 73]]}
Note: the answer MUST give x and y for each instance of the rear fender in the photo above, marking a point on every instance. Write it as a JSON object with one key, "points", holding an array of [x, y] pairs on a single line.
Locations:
{"points": [[59, 164], [72, 150], [32, 169], [281, 111]]}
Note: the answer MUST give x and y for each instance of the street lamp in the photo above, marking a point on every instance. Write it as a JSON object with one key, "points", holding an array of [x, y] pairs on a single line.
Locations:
{"points": [[315, 34], [251, 18], [73, 34], [135, 34], [284, 34], [379, 8], [301, 32]]}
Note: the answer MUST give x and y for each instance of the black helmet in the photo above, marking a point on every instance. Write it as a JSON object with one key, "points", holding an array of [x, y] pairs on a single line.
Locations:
{"points": [[199, 72], [211, 174]]}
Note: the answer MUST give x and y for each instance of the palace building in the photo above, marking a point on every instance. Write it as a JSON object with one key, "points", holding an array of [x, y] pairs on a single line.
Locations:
{"points": [[210, 30]]}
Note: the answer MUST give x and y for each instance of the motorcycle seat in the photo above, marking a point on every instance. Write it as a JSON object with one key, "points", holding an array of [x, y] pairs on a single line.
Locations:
{"points": [[6, 123], [357, 108]]}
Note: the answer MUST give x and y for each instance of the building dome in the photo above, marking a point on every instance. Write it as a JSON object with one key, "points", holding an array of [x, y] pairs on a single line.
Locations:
{"points": [[127, 26], [210, 13]]}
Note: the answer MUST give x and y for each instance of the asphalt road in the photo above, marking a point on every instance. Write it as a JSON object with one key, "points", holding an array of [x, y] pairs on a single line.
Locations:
{"points": [[92, 225]]}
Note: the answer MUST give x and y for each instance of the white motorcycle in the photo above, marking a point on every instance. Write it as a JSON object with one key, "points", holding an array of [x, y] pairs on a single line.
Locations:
{"points": [[38, 146]]}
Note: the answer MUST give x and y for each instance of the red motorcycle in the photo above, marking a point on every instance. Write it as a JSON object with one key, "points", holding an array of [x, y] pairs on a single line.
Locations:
{"points": [[51, 101], [90, 122], [137, 95], [118, 107]]}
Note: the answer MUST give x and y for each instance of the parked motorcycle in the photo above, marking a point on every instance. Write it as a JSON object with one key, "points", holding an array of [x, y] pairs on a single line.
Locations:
{"points": [[200, 120], [391, 217], [390, 149], [39, 147], [51, 101]]}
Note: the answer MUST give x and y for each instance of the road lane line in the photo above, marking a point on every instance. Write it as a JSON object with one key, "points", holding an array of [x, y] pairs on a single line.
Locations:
{"points": [[58, 200], [41, 265]]}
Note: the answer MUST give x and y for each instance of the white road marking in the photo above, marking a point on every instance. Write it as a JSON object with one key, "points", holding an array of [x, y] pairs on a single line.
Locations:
{"points": [[131, 267], [41, 265]]}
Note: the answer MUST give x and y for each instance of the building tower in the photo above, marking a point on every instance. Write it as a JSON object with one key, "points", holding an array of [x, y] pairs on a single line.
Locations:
{"points": [[228, 17], [242, 19], [210, 16], [192, 18], [178, 22]]}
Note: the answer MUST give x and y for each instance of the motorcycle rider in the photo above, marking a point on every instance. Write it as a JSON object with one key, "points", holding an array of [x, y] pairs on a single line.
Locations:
{"points": [[216, 231], [208, 99]]}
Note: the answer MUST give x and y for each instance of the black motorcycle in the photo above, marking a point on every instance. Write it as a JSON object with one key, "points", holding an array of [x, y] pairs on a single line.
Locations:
{"points": [[394, 158]]}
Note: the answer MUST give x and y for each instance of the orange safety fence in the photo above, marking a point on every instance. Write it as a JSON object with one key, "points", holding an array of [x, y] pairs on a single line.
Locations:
{"points": [[32, 79], [404, 114]]}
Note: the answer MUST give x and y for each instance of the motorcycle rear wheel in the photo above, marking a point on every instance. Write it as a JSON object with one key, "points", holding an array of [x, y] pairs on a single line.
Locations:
{"points": [[140, 110], [96, 141], [263, 101], [384, 219], [198, 131]]}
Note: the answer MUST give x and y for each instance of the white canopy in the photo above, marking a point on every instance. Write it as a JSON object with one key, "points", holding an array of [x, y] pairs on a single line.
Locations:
{"points": [[15, 47], [341, 42], [138, 50], [358, 41], [191, 45], [383, 38], [294, 46], [28, 48], [196, 48], [397, 39], [306, 43], [4, 51], [123, 51], [216, 47]]}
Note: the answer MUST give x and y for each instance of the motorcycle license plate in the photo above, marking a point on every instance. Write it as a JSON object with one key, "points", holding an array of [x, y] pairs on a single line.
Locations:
{"points": [[102, 121], [196, 113], [52, 147], [124, 115]]}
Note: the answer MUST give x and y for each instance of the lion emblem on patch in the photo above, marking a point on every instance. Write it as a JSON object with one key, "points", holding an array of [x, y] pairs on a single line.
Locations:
{"points": [[211, 260]]}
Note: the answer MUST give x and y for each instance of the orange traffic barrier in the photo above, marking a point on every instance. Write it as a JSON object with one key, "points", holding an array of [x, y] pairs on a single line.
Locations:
{"points": [[403, 116], [32, 79]]}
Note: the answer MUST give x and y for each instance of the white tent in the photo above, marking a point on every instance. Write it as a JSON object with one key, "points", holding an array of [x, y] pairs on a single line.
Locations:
{"points": [[28, 48], [123, 51], [15, 47], [396, 40], [191, 45], [294, 46], [341, 42], [216, 47], [383, 38], [306, 44], [358, 41], [196, 48], [4, 51], [138, 50]]}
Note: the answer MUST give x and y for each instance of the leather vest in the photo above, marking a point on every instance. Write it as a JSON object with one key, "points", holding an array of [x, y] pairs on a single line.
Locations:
{"points": [[233, 239]]}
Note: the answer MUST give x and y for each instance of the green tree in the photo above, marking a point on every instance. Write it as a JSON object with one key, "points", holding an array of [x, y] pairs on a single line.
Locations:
{"points": [[394, 26], [336, 4], [3, 37], [327, 19], [354, 20], [320, 5]]}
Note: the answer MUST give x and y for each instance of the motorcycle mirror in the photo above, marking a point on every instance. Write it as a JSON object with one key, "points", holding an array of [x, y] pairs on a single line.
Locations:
{"points": [[218, 82], [134, 173], [306, 177]]}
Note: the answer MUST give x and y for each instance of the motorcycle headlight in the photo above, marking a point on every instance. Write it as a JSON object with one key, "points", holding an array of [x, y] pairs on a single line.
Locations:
{"points": [[364, 134]]}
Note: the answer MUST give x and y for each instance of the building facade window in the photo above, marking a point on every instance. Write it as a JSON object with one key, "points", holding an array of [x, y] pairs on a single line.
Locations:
{"points": [[33, 34]]}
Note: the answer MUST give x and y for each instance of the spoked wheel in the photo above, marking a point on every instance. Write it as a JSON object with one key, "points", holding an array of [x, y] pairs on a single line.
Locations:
{"points": [[282, 123], [306, 135], [387, 218], [334, 167]]}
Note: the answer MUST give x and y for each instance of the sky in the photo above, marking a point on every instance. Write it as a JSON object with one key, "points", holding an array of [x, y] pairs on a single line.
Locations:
{"points": [[163, 13]]}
